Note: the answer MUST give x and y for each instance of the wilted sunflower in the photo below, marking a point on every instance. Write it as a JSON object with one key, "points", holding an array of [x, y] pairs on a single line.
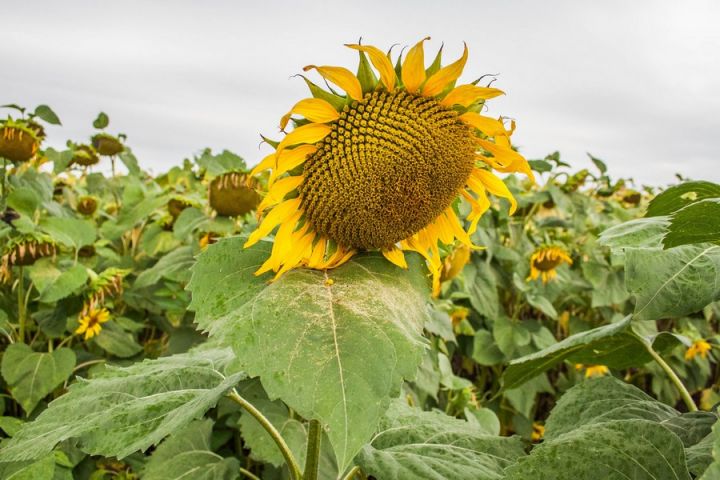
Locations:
{"points": [[107, 145], [380, 168], [545, 261], [85, 155], [19, 139], [90, 322], [233, 194], [87, 204], [24, 251]]}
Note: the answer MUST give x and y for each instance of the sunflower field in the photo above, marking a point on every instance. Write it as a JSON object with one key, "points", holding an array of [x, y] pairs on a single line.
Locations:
{"points": [[393, 292]]}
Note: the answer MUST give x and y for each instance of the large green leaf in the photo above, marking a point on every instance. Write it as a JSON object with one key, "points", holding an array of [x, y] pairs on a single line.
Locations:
{"points": [[614, 345], [128, 409], [481, 288], [187, 454], [602, 400], [67, 283], [335, 346], [696, 223], [178, 260], [679, 196], [616, 450], [675, 282], [713, 470], [421, 445], [639, 233], [72, 232], [33, 375], [42, 469]]}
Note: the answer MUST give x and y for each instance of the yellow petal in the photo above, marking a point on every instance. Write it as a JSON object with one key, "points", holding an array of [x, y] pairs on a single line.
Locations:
{"points": [[495, 186], [445, 76], [265, 164], [504, 158], [488, 126], [342, 77], [413, 68], [278, 192], [276, 216], [395, 255], [314, 109], [381, 62], [466, 95], [311, 133], [290, 158]]}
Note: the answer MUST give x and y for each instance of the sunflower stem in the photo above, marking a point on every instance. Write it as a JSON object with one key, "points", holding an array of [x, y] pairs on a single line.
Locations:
{"points": [[352, 473], [292, 464], [249, 474], [312, 459], [673, 377], [21, 304]]}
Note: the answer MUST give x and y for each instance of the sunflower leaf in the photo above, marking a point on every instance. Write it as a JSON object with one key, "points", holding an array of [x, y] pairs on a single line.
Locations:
{"points": [[150, 400], [33, 375], [416, 444], [335, 346], [187, 454]]}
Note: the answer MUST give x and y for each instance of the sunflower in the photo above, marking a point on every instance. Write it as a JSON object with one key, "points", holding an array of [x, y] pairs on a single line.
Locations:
{"points": [[90, 323], [19, 140], [592, 371], [381, 167], [545, 260], [698, 347], [233, 194]]}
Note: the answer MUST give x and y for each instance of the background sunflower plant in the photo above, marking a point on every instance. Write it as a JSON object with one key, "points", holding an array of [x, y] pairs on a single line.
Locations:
{"points": [[372, 300]]}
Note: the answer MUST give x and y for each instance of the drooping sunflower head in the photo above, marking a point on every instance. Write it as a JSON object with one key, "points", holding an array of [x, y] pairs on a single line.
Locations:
{"points": [[23, 251], [19, 140], [381, 167], [90, 323], [87, 204], [233, 194], [85, 155], [107, 145], [545, 260]]}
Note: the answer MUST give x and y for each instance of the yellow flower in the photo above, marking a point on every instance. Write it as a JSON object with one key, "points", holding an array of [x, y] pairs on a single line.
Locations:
{"points": [[545, 261], [538, 432], [699, 347], [380, 167], [90, 322], [458, 315], [593, 370]]}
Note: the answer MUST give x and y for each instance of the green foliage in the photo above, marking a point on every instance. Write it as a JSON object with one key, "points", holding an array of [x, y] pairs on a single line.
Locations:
{"points": [[320, 341], [404, 386]]}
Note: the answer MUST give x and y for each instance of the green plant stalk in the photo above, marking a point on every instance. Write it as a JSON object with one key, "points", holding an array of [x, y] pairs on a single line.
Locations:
{"points": [[21, 304], [673, 378], [249, 474], [312, 459], [351, 474], [292, 464], [4, 184]]}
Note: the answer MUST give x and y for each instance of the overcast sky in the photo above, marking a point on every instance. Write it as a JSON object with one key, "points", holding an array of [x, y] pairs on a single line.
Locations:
{"points": [[634, 83]]}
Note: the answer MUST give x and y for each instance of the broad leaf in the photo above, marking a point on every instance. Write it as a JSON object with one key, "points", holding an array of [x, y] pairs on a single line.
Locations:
{"points": [[414, 444], [149, 400], [33, 375], [187, 454], [639, 233], [616, 450], [47, 114], [614, 345], [178, 260], [713, 470], [65, 284], [71, 232], [117, 341], [335, 346], [673, 283], [602, 400], [696, 223], [42, 469], [679, 196]]}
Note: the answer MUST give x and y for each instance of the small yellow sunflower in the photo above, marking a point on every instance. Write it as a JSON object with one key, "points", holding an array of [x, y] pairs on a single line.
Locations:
{"points": [[592, 371], [90, 323], [545, 260], [381, 167], [699, 347], [538, 432]]}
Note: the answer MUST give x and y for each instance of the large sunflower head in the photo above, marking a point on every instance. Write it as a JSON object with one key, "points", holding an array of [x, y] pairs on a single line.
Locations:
{"points": [[380, 168], [545, 260], [19, 140]]}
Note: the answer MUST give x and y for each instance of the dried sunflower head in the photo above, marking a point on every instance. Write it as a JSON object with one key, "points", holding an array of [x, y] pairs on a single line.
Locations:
{"points": [[85, 155], [87, 205], [19, 140], [233, 194], [381, 167], [107, 145]]}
